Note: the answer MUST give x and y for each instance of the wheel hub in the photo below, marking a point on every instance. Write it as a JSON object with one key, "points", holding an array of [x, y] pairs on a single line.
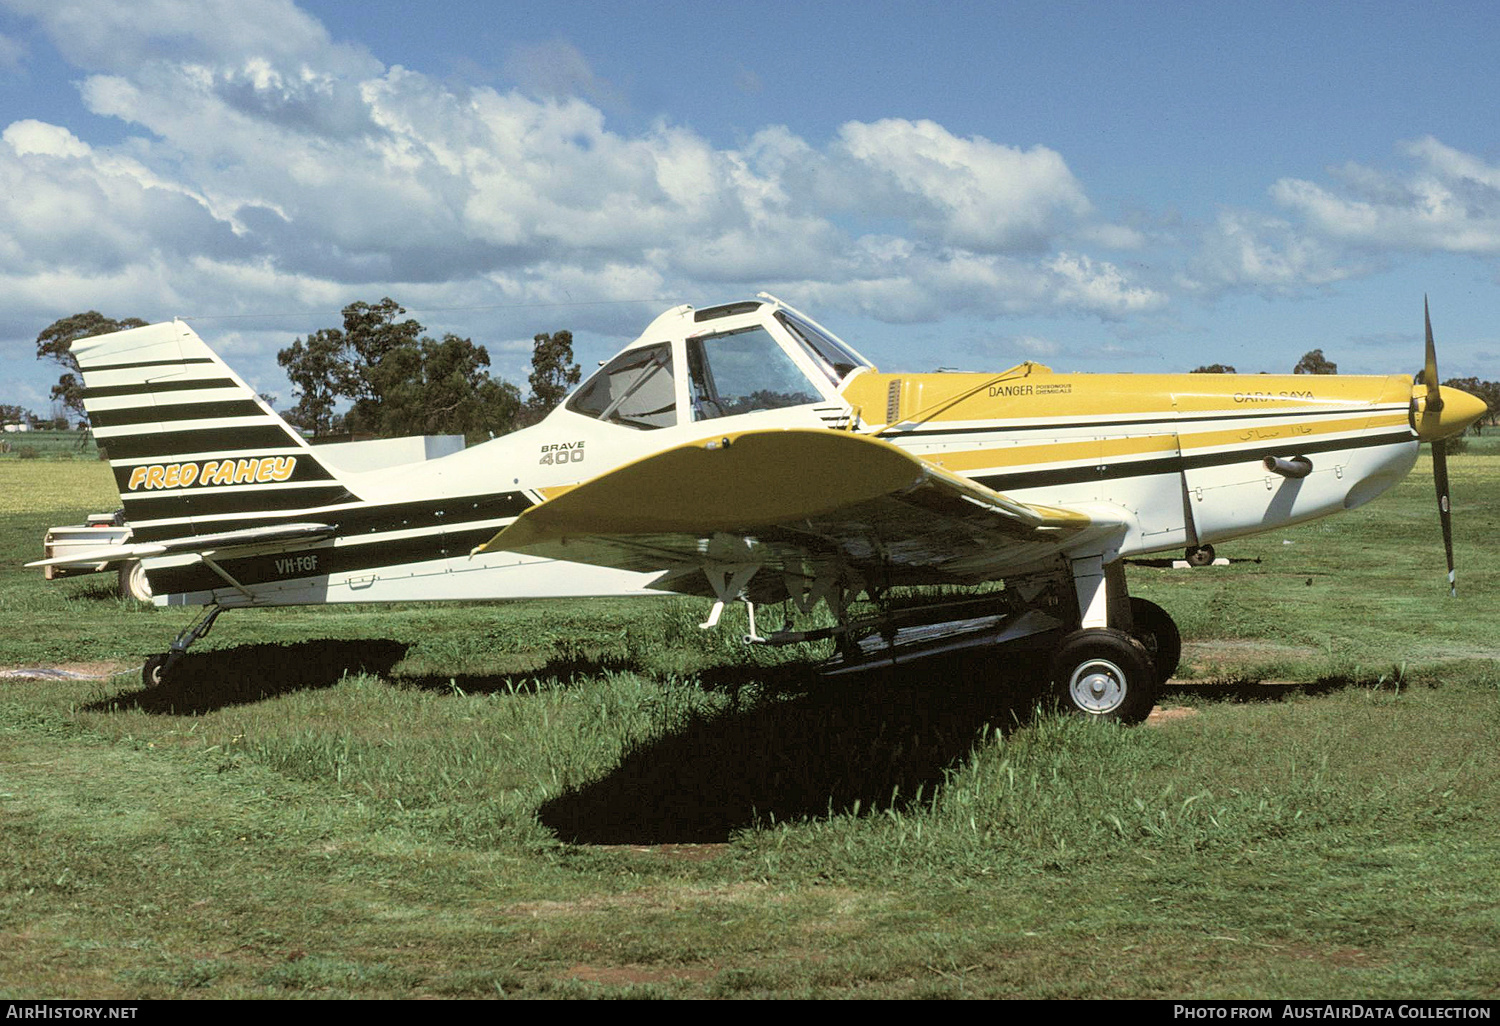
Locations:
{"points": [[1097, 686]]}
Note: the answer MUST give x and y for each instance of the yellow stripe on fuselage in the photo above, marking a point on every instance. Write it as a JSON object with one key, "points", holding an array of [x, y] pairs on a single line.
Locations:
{"points": [[1033, 392], [1048, 453], [1289, 431]]}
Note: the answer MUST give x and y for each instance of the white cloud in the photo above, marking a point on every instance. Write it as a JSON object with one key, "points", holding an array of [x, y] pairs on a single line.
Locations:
{"points": [[1454, 164], [1356, 223], [1248, 250], [968, 192], [1449, 203], [30, 137], [270, 168], [65, 205], [1100, 288], [121, 37]]}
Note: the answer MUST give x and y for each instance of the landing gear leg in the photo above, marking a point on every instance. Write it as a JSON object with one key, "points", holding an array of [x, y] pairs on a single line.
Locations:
{"points": [[1102, 670], [158, 668]]}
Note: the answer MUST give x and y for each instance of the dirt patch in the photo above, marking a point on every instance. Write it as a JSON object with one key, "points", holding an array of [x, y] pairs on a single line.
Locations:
{"points": [[1159, 716], [1341, 957], [663, 899], [67, 671], [1244, 650]]}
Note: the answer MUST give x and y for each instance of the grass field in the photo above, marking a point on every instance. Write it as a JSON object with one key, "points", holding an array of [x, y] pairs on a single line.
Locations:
{"points": [[576, 799], [49, 445]]}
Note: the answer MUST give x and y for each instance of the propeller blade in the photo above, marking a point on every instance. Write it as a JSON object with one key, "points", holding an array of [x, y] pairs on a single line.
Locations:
{"points": [[1434, 404], [1429, 370], [1445, 511]]}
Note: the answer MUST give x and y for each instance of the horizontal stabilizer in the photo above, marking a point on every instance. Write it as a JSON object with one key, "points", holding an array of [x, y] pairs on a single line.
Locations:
{"points": [[227, 541]]}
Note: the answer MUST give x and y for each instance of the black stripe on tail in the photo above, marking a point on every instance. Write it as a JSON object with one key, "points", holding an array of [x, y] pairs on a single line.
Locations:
{"points": [[188, 439]]}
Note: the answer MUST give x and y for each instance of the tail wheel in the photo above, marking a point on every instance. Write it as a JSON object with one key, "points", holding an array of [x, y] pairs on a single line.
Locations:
{"points": [[1155, 630], [154, 673], [1200, 555], [1104, 674]]}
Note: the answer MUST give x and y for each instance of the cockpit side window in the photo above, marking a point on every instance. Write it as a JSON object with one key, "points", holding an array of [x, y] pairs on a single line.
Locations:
{"points": [[742, 371], [635, 389]]}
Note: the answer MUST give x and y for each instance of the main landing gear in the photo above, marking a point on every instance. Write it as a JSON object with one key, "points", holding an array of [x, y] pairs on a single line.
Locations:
{"points": [[1111, 652], [1124, 650], [158, 668]]}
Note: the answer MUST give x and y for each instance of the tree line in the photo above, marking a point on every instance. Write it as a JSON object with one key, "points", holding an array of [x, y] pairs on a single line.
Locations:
{"points": [[379, 375], [1313, 362]]}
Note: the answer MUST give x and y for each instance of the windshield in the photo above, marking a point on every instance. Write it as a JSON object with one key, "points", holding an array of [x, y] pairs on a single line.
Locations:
{"points": [[634, 389], [835, 358]]}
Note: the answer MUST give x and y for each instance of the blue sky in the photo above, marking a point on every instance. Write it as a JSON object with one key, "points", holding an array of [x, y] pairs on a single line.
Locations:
{"points": [[1099, 186]]}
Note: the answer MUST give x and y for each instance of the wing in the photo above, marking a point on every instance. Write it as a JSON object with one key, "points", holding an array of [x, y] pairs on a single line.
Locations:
{"points": [[793, 503]]}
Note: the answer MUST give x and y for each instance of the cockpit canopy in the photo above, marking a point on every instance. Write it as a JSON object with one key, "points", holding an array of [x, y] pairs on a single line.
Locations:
{"points": [[752, 356]]}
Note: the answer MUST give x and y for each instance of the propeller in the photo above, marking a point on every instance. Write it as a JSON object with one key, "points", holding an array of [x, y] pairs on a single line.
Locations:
{"points": [[1434, 405]]}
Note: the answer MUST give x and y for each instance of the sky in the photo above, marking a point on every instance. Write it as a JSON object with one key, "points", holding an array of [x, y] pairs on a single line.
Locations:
{"points": [[1144, 187]]}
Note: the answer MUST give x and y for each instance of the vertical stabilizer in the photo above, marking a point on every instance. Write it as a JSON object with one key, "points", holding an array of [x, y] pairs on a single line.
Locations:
{"points": [[193, 449]]}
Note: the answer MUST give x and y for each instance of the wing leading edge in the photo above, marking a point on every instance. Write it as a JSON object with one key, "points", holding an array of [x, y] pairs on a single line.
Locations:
{"points": [[793, 502]]}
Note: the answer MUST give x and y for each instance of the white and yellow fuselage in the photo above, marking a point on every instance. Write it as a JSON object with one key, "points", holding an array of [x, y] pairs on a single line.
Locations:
{"points": [[235, 508], [1183, 454]]}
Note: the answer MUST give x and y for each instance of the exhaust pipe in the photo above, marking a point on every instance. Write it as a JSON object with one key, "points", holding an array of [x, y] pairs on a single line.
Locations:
{"points": [[1294, 468]]}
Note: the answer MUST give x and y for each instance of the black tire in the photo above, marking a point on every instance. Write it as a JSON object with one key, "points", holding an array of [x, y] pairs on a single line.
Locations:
{"points": [[154, 673], [1200, 555], [1156, 631], [1104, 674]]}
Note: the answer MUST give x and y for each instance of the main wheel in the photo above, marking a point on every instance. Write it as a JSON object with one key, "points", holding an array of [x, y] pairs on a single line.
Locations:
{"points": [[1200, 555], [1104, 674], [1155, 630]]}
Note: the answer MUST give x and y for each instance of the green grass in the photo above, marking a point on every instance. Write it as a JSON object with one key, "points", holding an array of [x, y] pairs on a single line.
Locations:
{"points": [[581, 799], [48, 445]]}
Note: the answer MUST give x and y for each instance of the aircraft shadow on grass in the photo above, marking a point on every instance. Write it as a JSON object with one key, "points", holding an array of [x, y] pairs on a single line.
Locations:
{"points": [[525, 676], [881, 738], [878, 740], [212, 680]]}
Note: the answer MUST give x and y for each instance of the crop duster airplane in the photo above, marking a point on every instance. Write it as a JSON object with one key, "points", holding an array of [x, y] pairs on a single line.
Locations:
{"points": [[743, 452]]}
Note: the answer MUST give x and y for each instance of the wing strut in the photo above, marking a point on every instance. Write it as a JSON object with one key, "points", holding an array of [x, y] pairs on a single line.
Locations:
{"points": [[236, 585]]}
